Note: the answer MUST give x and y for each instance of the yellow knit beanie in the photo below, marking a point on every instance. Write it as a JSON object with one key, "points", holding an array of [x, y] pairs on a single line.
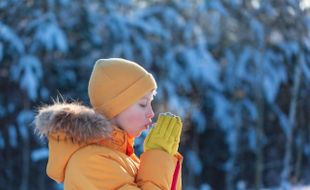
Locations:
{"points": [[116, 83]]}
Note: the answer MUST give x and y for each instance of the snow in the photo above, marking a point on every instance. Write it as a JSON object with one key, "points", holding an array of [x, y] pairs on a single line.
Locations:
{"points": [[24, 120], [196, 51], [194, 162], [275, 75], [235, 3], [50, 35], [218, 6], [305, 68], [59, 186], [205, 187], [199, 120], [28, 72], [304, 4], [7, 34], [241, 68], [145, 49], [276, 37], [44, 93], [290, 48], [241, 185], [202, 67], [283, 119], [1, 52], [258, 30], [64, 2], [39, 154], [252, 139], [251, 109], [11, 107], [12, 136], [222, 110], [306, 149], [232, 137], [255, 4], [2, 143], [178, 105], [2, 111]]}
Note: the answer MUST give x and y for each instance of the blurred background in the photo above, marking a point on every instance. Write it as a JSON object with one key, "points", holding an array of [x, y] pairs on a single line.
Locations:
{"points": [[237, 71]]}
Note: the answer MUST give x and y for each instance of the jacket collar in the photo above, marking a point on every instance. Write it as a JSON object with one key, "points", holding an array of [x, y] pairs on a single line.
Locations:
{"points": [[119, 141]]}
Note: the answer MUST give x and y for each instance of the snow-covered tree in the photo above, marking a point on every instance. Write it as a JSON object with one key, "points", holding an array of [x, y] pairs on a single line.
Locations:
{"points": [[237, 71]]}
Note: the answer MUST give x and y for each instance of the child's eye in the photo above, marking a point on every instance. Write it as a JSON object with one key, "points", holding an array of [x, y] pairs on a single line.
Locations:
{"points": [[143, 105]]}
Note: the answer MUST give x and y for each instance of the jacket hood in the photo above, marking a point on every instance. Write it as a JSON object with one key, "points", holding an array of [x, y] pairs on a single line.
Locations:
{"points": [[69, 127], [78, 123]]}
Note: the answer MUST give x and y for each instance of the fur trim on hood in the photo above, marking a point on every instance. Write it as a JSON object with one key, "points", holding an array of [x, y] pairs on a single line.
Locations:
{"points": [[79, 123]]}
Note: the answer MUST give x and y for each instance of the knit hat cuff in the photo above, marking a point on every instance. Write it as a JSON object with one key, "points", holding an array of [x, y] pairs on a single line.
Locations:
{"points": [[127, 97]]}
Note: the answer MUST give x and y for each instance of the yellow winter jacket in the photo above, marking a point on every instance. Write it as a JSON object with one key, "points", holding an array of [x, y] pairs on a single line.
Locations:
{"points": [[87, 153]]}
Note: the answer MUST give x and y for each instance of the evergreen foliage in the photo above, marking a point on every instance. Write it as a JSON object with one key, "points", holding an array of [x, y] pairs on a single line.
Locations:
{"points": [[237, 71]]}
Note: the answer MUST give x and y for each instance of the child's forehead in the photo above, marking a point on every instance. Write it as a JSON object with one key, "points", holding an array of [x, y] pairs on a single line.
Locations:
{"points": [[149, 96]]}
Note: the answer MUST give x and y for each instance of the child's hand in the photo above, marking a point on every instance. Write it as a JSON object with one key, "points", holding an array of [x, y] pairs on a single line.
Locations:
{"points": [[165, 135]]}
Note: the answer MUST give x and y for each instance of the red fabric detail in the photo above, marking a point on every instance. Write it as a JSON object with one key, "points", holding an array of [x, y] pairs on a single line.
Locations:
{"points": [[175, 176], [129, 148]]}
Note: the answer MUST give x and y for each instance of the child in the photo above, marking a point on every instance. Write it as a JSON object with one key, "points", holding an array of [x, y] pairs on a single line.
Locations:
{"points": [[92, 148]]}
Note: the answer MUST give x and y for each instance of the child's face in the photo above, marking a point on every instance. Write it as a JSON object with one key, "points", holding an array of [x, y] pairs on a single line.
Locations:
{"points": [[137, 117]]}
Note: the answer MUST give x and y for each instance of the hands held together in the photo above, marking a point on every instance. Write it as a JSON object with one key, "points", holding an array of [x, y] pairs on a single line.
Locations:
{"points": [[165, 135]]}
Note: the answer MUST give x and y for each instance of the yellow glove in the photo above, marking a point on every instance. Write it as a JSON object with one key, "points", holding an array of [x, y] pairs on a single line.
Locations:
{"points": [[165, 135]]}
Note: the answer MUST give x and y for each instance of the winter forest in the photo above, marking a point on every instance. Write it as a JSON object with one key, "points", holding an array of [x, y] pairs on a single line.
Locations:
{"points": [[236, 71]]}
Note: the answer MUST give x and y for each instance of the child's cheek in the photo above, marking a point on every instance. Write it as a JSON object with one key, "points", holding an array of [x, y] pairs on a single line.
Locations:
{"points": [[135, 119]]}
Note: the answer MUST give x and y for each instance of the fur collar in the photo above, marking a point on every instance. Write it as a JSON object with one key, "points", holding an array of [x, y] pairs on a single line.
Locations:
{"points": [[79, 123]]}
